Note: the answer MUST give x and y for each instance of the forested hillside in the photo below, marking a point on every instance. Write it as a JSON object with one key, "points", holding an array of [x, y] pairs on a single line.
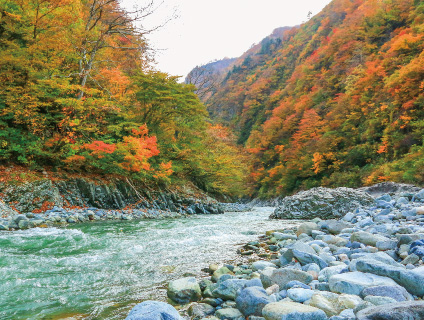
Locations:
{"points": [[339, 101], [77, 93]]}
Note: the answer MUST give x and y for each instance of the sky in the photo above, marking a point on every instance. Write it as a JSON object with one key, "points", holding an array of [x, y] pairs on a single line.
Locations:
{"points": [[208, 30]]}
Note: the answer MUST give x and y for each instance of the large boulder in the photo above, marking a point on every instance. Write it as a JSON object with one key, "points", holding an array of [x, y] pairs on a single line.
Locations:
{"points": [[378, 256], [270, 276], [411, 280], [413, 310], [184, 290], [307, 228], [355, 282], [332, 304], [396, 292], [153, 310], [321, 202], [285, 310], [367, 238], [252, 300]]}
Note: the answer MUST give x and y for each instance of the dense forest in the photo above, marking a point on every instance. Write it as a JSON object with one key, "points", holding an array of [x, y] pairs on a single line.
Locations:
{"points": [[337, 101], [78, 94]]}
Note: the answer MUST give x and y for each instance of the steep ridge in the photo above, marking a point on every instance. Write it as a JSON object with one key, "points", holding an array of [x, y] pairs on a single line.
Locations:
{"points": [[338, 101]]}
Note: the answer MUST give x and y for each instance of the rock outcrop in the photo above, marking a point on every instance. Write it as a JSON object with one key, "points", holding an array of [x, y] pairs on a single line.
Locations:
{"points": [[323, 203]]}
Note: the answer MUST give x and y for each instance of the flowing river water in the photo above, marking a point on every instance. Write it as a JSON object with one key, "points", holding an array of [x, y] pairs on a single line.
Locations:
{"points": [[101, 270]]}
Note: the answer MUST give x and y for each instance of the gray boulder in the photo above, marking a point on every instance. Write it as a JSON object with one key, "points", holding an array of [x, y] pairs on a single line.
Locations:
{"points": [[300, 294], [409, 310], [184, 290], [411, 280], [252, 300], [227, 289], [229, 314], [306, 258], [321, 202], [367, 238], [396, 292], [284, 310], [200, 310], [270, 276], [153, 310], [307, 228], [335, 226], [355, 282], [4, 224], [260, 265]]}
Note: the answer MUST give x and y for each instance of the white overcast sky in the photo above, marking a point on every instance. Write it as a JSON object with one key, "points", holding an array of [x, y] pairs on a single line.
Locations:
{"points": [[206, 30]]}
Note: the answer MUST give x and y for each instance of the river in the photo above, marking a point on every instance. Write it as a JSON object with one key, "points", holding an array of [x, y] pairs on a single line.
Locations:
{"points": [[100, 270]]}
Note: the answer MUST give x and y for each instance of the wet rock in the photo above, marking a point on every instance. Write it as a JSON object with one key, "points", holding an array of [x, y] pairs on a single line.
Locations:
{"points": [[283, 310], [153, 310], [184, 290]]}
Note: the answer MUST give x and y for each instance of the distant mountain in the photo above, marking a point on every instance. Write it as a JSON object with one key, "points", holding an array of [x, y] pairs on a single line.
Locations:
{"points": [[338, 100], [256, 56], [207, 77]]}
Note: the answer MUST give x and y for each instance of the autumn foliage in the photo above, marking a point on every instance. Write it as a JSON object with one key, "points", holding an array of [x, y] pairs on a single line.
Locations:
{"points": [[338, 100], [77, 92]]}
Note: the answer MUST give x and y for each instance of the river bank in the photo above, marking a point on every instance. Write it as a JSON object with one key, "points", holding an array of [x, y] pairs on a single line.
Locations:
{"points": [[366, 264], [101, 269], [59, 202]]}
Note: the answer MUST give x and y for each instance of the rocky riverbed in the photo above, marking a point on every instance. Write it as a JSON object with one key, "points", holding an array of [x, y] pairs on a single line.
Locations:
{"points": [[364, 263]]}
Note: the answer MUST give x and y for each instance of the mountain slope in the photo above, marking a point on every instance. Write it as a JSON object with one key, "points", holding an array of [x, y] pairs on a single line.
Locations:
{"points": [[338, 102]]}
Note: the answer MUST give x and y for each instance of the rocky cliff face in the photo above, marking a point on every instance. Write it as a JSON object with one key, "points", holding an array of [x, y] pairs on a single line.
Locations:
{"points": [[321, 202], [42, 195]]}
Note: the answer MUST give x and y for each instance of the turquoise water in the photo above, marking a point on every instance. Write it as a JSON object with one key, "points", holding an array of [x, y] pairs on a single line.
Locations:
{"points": [[100, 270]]}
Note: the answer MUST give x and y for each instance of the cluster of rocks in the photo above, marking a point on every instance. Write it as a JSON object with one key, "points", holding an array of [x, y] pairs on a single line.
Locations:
{"points": [[368, 265], [79, 200], [63, 216], [236, 207]]}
